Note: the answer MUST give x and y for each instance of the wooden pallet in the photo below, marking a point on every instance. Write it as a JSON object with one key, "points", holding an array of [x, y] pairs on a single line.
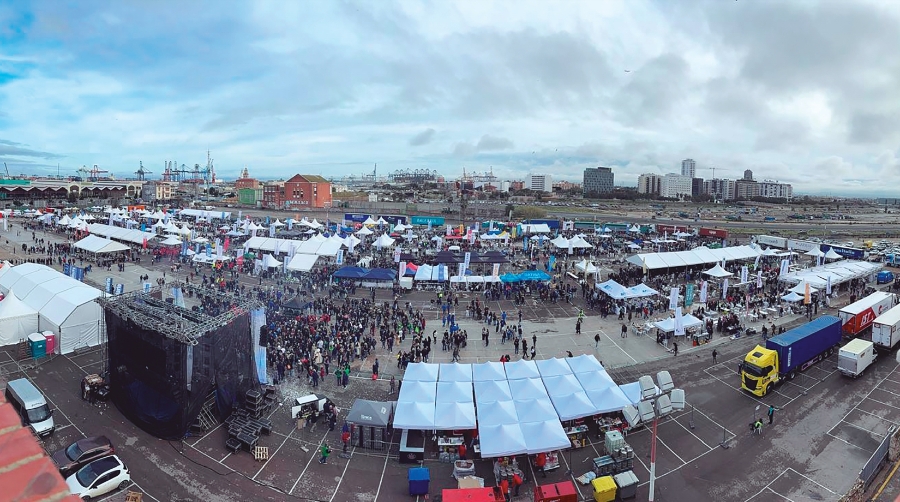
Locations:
{"points": [[261, 453], [134, 497]]}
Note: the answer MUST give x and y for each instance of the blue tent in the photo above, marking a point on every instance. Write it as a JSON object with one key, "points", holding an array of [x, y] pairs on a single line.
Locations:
{"points": [[534, 275], [509, 278], [350, 273], [380, 274]]}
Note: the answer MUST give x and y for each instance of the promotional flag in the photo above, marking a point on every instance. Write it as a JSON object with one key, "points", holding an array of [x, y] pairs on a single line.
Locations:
{"points": [[679, 322], [551, 263], [449, 231], [208, 251], [240, 213], [496, 271], [143, 227], [109, 285], [147, 287], [267, 220], [120, 288], [352, 246], [571, 246], [397, 255], [756, 261], [227, 243], [471, 237], [271, 230], [467, 259], [759, 282], [290, 223], [525, 244], [442, 273], [462, 270], [429, 225], [828, 285], [703, 292], [673, 298], [688, 295], [744, 274], [724, 289], [339, 260], [144, 245], [785, 268], [807, 299], [402, 268]]}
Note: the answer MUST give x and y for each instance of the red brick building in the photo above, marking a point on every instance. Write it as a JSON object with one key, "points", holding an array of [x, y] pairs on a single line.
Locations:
{"points": [[301, 191], [245, 181]]}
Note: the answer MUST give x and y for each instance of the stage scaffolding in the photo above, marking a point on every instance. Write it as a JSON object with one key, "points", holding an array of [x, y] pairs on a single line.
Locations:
{"points": [[185, 325]]}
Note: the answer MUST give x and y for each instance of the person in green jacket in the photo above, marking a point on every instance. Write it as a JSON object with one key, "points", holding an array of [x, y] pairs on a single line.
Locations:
{"points": [[325, 451]]}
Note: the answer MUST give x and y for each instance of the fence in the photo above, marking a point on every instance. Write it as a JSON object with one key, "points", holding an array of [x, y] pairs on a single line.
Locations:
{"points": [[871, 468]]}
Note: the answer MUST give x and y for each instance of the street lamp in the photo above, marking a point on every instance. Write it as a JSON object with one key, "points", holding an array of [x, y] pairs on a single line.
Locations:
{"points": [[657, 401]]}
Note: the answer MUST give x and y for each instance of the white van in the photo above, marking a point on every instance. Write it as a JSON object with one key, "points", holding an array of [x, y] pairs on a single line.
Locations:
{"points": [[31, 406]]}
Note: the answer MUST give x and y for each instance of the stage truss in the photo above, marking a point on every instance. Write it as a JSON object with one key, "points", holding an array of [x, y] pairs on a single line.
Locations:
{"points": [[178, 323]]}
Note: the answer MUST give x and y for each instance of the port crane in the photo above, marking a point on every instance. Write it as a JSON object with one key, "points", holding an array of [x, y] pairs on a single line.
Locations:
{"points": [[141, 172]]}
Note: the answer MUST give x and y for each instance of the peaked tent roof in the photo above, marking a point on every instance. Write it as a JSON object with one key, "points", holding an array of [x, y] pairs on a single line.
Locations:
{"points": [[718, 271], [547, 435], [454, 416], [491, 370], [370, 413]]}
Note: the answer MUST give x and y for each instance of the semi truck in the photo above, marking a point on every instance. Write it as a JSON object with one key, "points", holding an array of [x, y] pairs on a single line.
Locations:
{"points": [[886, 329], [858, 316], [855, 357], [784, 355]]}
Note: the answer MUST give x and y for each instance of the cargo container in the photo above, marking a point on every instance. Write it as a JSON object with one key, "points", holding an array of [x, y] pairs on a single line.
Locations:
{"points": [[719, 233], [859, 316], [768, 240], [786, 354], [855, 357], [886, 329]]}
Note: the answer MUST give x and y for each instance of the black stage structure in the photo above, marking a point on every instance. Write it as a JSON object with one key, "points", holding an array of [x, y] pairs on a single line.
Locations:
{"points": [[165, 361]]}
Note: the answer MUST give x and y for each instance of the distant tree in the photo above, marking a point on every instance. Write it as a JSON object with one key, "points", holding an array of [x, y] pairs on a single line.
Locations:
{"points": [[528, 213]]}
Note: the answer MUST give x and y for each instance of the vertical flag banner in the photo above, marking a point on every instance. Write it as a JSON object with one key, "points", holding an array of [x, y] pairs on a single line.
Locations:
{"points": [[724, 288], [147, 287], [673, 298], [496, 271], [679, 322], [571, 246], [703, 291], [807, 299], [759, 283], [462, 270], [688, 295], [466, 260], [397, 255], [785, 267], [828, 286], [402, 268], [120, 288], [442, 273], [340, 257], [551, 262], [744, 274]]}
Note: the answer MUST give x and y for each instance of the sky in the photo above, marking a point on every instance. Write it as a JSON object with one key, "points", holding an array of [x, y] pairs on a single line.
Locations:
{"points": [[801, 92]]}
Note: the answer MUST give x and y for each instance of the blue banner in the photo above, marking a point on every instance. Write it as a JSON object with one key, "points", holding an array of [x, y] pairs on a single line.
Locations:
{"points": [[78, 273], [120, 288], [441, 276], [67, 269], [688, 295], [109, 285], [147, 287], [208, 251]]}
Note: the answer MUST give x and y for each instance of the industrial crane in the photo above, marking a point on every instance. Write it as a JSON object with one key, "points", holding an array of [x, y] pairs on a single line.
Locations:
{"points": [[141, 172], [7, 171]]}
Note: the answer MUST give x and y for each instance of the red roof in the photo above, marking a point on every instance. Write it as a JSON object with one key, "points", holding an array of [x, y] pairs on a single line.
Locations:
{"points": [[26, 472]]}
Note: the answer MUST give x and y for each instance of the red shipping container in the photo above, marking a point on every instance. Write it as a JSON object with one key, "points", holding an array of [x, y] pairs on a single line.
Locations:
{"points": [[720, 233], [557, 492]]}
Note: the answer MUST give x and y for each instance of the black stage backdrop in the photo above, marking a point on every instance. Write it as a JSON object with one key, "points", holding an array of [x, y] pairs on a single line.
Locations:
{"points": [[150, 373]]}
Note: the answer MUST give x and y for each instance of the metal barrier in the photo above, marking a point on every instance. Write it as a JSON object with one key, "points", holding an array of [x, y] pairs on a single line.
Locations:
{"points": [[875, 462]]}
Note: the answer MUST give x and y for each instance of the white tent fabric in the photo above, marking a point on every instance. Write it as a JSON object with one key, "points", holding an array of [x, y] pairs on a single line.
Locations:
{"points": [[421, 372], [792, 297], [843, 271], [595, 380], [609, 399], [528, 388], [553, 367], [584, 363], [419, 392], [696, 256], [814, 252], [17, 320], [364, 231], [579, 243], [330, 248], [492, 390], [544, 436], [133, 236], [94, 244], [560, 242], [668, 325], [521, 369], [68, 309], [534, 409], [831, 255], [800, 288], [574, 405], [453, 416], [561, 385], [455, 372], [497, 412], [632, 391], [640, 291], [414, 415], [586, 267], [171, 241], [539, 228], [205, 213], [384, 241], [270, 261], [613, 289], [454, 392], [488, 371], [302, 262], [500, 440], [718, 271]]}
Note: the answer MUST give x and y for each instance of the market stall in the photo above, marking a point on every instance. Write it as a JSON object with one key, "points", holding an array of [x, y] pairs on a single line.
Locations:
{"points": [[369, 422]]}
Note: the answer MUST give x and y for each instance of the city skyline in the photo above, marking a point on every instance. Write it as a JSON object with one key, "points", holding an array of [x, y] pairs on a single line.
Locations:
{"points": [[799, 93]]}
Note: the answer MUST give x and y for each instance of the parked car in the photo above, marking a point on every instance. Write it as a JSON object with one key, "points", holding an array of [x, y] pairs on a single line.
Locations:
{"points": [[81, 453], [99, 478]]}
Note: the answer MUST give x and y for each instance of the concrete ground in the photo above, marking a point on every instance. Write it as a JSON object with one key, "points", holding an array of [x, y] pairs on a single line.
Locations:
{"points": [[826, 427]]}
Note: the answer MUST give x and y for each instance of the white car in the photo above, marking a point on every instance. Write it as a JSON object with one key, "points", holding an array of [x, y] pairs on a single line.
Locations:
{"points": [[99, 477]]}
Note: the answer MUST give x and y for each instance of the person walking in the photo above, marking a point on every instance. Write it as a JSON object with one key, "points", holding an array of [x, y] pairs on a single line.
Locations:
{"points": [[675, 348], [393, 384], [375, 369], [324, 451], [771, 413], [597, 340], [715, 354], [624, 330], [345, 438], [532, 352]]}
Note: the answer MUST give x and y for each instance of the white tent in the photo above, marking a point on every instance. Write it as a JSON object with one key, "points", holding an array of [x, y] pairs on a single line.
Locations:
{"points": [[553, 367], [421, 372], [381, 221], [668, 325], [586, 267], [364, 231], [400, 227], [792, 297], [171, 241], [490, 370], [831, 255], [500, 440], [302, 262], [539, 228], [454, 392], [17, 320], [578, 242], [370, 222], [595, 380], [94, 244], [546, 435], [492, 390], [528, 388], [718, 271], [815, 252], [455, 372], [800, 288], [65, 306], [453, 416], [414, 415], [560, 242], [609, 399], [521, 369], [270, 261], [497, 412], [384, 241], [572, 406], [584, 363]]}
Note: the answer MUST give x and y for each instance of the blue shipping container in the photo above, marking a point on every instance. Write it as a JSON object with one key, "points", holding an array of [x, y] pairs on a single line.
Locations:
{"points": [[803, 343]]}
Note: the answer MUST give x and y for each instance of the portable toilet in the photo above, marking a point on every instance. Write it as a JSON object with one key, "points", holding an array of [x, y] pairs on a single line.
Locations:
{"points": [[37, 345], [604, 489], [51, 341]]}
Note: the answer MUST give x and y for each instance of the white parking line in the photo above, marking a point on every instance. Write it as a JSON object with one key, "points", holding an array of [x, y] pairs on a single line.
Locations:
{"points": [[336, 488], [310, 461], [273, 455], [768, 486]]}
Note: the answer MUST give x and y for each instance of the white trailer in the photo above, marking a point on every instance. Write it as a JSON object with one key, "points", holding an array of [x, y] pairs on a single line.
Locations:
{"points": [[886, 329], [855, 357]]}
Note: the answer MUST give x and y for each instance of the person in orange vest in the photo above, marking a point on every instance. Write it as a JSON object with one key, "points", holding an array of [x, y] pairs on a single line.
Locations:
{"points": [[504, 487], [462, 451], [517, 482], [540, 462]]}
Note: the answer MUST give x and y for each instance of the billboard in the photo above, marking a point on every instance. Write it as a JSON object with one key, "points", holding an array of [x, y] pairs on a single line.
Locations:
{"points": [[851, 253], [425, 220], [357, 217], [394, 219], [768, 240]]}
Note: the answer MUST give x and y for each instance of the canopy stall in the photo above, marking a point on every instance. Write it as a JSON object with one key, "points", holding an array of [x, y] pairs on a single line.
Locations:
{"points": [[668, 325], [97, 245], [697, 256]]}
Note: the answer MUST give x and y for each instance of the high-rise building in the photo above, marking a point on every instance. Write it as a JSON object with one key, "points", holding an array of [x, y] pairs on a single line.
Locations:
{"points": [[540, 182], [748, 175], [598, 180], [649, 183], [774, 190], [689, 168], [746, 188], [696, 187], [719, 189], [675, 186]]}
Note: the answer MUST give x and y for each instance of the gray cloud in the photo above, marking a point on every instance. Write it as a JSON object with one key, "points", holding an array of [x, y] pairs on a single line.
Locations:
{"points": [[423, 138], [873, 127], [13, 149], [487, 143]]}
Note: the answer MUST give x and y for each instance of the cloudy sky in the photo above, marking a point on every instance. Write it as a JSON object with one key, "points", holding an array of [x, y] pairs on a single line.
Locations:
{"points": [[802, 92]]}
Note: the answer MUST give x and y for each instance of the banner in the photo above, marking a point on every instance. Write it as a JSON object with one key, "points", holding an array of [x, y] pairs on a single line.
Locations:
{"points": [[109, 285], [402, 268], [551, 263], [724, 289], [571, 247], [442, 273], [828, 286], [257, 321], [496, 270], [120, 288], [449, 231], [208, 251], [462, 270], [744, 274], [759, 281], [688, 295], [147, 287], [679, 322], [397, 255], [673, 298], [466, 259], [785, 268], [703, 291], [339, 260], [271, 229], [525, 244], [807, 298]]}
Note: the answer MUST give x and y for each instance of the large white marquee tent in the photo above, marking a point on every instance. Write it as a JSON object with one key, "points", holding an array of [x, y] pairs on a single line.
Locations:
{"points": [[698, 256], [62, 305]]}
